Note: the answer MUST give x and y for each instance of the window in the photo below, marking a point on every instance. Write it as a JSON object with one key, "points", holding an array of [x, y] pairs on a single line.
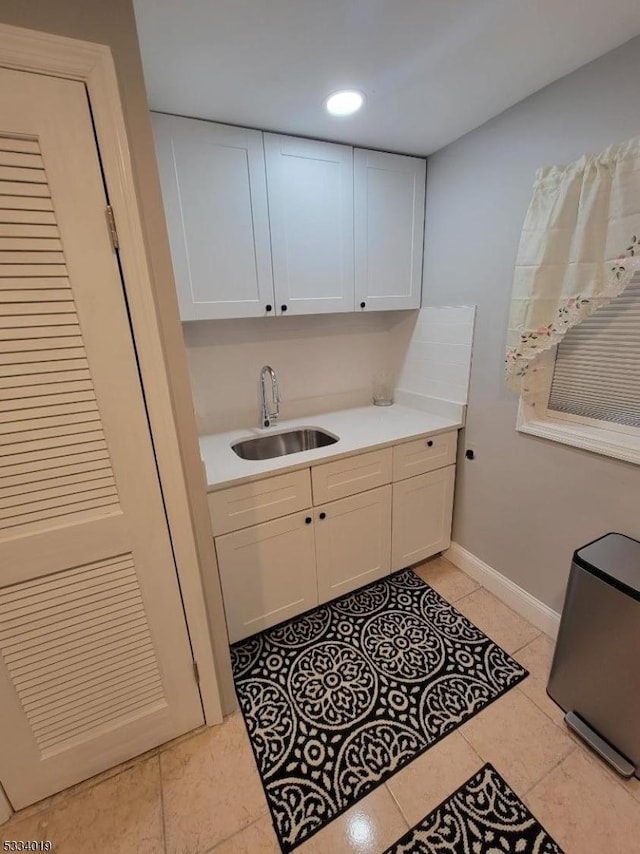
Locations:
{"points": [[597, 368], [592, 395]]}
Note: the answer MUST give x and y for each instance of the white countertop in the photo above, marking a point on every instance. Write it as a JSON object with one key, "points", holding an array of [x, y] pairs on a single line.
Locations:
{"points": [[358, 430]]}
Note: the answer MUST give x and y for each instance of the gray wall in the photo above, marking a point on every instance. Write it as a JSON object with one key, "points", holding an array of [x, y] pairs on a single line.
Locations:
{"points": [[524, 504]]}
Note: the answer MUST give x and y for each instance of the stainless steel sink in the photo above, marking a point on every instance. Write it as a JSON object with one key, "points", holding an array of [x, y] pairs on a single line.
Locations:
{"points": [[280, 444]]}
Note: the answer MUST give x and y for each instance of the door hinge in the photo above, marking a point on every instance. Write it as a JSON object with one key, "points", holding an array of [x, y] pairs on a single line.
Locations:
{"points": [[196, 672], [111, 225]]}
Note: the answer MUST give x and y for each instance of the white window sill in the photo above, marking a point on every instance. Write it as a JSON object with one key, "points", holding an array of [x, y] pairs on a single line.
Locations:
{"points": [[599, 440]]}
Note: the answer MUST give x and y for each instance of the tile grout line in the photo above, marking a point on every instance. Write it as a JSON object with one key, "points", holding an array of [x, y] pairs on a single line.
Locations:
{"points": [[236, 833], [532, 640], [550, 771], [594, 759], [464, 735], [544, 711], [58, 799], [462, 598], [479, 758], [398, 805], [162, 815], [497, 598], [474, 751], [523, 794]]}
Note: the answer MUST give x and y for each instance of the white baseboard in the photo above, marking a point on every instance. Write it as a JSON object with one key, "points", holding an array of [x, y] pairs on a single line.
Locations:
{"points": [[523, 603]]}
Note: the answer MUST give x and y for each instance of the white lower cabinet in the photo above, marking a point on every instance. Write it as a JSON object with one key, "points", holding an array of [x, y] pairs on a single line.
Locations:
{"points": [[279, 568], [268, 573], [353, 542], [422, 509]]}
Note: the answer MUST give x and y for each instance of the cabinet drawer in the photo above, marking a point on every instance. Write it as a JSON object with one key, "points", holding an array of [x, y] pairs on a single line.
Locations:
{"points": [[351, 475], [423, 455], [250, 503]]}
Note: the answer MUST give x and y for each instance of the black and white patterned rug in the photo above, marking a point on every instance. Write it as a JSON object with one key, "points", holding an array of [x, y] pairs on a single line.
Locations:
{"points": [[484, 816], [338, 699]]}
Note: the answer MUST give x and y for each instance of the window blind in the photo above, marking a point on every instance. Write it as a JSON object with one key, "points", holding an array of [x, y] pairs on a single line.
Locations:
{"points": [[597, 368]]}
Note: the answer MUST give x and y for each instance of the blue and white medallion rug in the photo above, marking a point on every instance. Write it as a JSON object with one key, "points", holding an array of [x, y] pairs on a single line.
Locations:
{"points": [[340, 698], [484, 816]]}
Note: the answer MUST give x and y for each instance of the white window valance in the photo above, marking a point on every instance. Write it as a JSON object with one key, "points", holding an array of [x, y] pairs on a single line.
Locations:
{"points": [[579, 249]]}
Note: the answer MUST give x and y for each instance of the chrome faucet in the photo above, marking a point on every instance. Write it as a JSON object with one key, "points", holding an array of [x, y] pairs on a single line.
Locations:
{"points": [[268, 415]]}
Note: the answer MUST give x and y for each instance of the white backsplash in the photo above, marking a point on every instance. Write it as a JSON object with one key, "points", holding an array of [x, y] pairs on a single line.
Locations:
{"points": [[435, 352], [325, 362]]}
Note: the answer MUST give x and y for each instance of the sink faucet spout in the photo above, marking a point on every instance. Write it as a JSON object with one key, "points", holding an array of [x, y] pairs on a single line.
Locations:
{"points": [[268, 414]]}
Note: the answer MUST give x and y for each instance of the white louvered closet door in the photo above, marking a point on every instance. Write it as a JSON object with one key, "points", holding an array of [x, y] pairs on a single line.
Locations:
{"points": [[95, 663]]}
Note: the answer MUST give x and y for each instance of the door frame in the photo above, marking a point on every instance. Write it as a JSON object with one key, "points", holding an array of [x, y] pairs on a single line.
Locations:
{"points": [[92, 64], [6, 810]]}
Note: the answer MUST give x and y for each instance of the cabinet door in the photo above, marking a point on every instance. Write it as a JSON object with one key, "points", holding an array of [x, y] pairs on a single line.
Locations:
{"points": [[422, 508], [389, 230], [310, 188], [353, 542], [268, 573], [215, 198]]}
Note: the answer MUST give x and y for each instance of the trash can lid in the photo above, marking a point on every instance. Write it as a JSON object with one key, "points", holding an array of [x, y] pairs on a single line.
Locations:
{"points": [[615, 558]]}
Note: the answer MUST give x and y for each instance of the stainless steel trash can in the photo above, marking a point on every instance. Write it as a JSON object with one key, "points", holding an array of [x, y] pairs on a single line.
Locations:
{"points": [[595, 674]]}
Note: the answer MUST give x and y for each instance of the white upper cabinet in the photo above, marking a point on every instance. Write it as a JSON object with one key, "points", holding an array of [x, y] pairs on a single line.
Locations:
{"points": [[389, 192], [310, 187], [264, 224], [215, 197]]}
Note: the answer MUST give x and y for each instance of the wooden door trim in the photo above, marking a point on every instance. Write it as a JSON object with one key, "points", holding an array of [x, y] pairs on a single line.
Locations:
{"points": [[92, 64], [6, 811]]}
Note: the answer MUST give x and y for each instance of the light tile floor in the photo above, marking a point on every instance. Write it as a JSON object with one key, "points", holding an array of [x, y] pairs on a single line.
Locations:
{"points": [[201, 793]]}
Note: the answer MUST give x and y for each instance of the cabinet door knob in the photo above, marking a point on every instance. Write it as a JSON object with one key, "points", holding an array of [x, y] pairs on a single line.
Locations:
{"points": [[430, 443], [268, 307], [323, 515], [308, 520], [283, 308], [363, 304]]}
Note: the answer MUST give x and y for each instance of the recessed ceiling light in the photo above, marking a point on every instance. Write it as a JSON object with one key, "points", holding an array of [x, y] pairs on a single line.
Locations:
{"points": [[345, 102]]}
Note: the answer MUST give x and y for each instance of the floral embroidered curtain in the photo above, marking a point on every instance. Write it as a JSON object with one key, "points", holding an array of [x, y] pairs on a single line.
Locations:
{"points": [[579, 249]]}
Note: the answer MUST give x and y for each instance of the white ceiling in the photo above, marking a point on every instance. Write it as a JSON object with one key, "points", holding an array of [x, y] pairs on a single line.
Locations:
{"points": [[431, 69]]}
